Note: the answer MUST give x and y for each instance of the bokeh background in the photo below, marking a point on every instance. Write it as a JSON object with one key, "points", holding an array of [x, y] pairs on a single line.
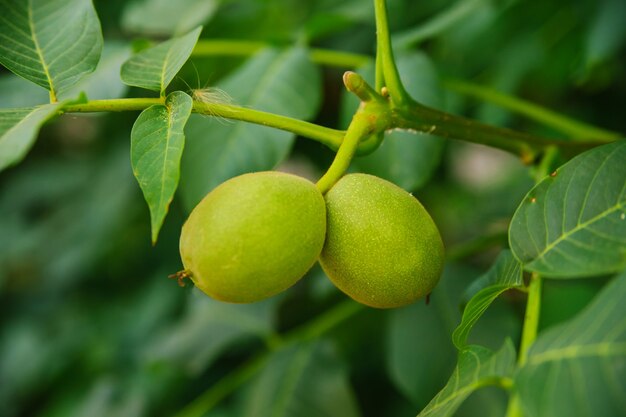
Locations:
{"points": [[90, 325]]}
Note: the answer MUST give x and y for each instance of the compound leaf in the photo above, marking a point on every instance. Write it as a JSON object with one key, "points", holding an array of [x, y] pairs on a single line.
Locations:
{"points": [[477, 367], [579, 368], [18, 131], [156, 147], [505, 274], [52, 43], [573, 223], [154, 68]]}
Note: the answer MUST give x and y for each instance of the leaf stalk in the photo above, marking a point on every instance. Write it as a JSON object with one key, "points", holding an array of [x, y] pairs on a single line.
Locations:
{"points": [[529, 334]]}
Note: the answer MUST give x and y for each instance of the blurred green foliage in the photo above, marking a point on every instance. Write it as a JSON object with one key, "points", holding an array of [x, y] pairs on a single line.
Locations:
{"points": [[91, 326]]}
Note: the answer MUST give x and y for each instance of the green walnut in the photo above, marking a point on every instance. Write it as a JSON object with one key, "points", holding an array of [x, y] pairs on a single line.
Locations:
{"points": [[382, 247], [253, 236]]}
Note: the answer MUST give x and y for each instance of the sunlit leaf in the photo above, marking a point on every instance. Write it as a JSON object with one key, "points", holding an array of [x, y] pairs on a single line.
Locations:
{"points": [[52, 43], [505, 274], [477, 367], [578, 369], [154, 68], [19, 129], [285, 83], [306, 380], [156, 146], [573, 223]]}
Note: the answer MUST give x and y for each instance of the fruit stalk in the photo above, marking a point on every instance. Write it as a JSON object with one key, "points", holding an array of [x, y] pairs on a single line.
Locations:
{"points": [[340, 164], [371, 118]]}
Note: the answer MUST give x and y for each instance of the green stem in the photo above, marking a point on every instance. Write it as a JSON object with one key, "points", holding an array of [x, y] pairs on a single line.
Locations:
{"points": [[391, 76], [531, 318], [351, 60], [338, 59], [358, 129], [546, 164], [573, 128], [425, 119], [225, 47], [514, 409], [416, 117], [372, 117], [379, 81], [529, 334], [505, 383], [309, 331], [329, 137], [113, 105]]}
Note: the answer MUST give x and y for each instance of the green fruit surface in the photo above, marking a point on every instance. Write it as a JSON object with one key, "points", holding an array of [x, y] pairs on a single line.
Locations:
{"points": [[382, 247], [254, 236]]}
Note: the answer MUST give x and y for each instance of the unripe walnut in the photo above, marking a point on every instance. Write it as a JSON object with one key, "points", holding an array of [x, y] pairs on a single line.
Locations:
{"points": [[253, 236], [382, 247]]}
